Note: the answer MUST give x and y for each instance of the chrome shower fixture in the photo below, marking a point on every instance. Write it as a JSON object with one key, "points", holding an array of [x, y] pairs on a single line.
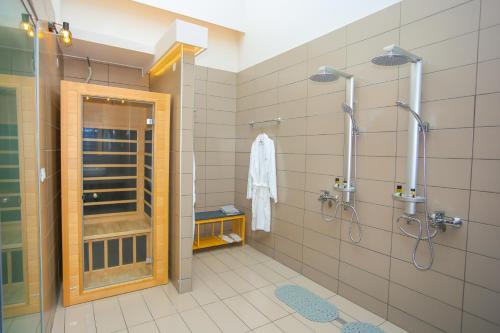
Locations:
{"points": [[395, 56], [347, 109], [424, 126], [347, 189], [328, 74]]}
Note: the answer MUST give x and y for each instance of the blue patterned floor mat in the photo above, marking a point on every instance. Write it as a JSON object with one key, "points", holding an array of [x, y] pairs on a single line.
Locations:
{"points": [[310, 305], [356, 327]]}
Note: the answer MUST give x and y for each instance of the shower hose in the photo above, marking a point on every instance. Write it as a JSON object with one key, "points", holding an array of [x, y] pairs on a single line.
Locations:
{"points": [[354, 215], [428, 237]]}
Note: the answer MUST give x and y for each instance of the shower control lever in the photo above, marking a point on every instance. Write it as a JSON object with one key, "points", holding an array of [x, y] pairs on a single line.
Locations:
{"points": [[325, 195], [440, 221]]}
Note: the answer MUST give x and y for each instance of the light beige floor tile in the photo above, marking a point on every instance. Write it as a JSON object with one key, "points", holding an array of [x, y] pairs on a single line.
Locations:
{"points": [[228, 260], [148, 327], [134, 309], [267, 273], [199, 322], [269, 293], [269, 328], [281, 269], [255, 254], [246, 311], [173, 323], [181, 302], [236, 282], [108, 315], [219, 287], [252, 277], [158, 303], [267, 306], [312, 286], [389, 327], [58, 324], [343, 317], [214, 264], [290, 324], [244, 258], [201, 293], [80, 318], [224, 318], [356, 311], [200, 268], [28, 323], [317, 326]]}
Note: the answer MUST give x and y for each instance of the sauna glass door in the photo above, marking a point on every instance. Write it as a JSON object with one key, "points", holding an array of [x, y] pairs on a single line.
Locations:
{"points": [[117, 182]]}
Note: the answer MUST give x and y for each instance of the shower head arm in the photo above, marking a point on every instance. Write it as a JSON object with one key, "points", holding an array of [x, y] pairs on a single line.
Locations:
{"points": [[396, 49], [423, 124], [343, 74]]}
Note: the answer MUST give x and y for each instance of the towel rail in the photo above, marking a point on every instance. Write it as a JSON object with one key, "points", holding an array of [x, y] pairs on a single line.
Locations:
{"points": [[275, 120]]}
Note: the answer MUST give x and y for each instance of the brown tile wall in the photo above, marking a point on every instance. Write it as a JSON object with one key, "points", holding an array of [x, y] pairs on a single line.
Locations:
{"points": [[459, 41], [214, 137], [51, 72], [179, 83]]}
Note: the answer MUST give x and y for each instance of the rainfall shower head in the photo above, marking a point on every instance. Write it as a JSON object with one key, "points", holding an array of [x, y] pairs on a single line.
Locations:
{"points": [[328, 74], [395, 56]]}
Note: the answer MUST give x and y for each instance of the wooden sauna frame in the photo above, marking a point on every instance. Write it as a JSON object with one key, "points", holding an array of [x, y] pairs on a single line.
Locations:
{"points": [[72, 102], [28, 226]]}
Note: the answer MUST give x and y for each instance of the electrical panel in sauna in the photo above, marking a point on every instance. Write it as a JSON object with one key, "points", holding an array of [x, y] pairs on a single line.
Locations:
{"points": [[115, 145]]}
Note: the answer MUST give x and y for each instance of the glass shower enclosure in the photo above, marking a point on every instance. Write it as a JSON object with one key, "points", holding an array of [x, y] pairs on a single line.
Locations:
{"points": [[19, 222]]}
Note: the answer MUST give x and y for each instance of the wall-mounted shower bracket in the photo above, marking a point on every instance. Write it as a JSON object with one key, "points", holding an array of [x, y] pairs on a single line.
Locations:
{"points": [[325, 195], [407, 198], [440, 221]]}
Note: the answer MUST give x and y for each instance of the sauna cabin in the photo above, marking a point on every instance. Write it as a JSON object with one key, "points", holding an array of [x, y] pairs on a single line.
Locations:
{"points": [[115, 155]]}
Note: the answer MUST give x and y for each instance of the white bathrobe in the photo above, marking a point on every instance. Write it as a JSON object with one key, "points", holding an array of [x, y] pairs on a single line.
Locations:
{"points": [[261, 185]]}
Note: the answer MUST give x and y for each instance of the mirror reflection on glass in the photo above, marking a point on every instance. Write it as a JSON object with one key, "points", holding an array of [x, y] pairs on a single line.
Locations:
{"points": [[20, 260]]}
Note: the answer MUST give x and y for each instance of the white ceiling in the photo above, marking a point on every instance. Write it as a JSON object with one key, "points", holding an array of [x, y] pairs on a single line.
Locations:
{"points": [[241, 32]]}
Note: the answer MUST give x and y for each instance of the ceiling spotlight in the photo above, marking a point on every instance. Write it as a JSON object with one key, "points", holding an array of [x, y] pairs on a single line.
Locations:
{"points": [[65, 34], [25, 24]]}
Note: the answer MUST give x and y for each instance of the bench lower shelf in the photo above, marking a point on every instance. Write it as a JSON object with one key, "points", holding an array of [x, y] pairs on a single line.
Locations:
{"points": [[214, 238]]}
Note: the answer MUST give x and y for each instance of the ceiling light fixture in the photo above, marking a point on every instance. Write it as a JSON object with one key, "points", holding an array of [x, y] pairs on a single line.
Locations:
{"points": [[27, 25], [64, 34]]}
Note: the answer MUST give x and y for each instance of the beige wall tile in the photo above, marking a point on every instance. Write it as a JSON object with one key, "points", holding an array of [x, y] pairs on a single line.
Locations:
{"points": [[377, 120], [366, 282], [472, 323], [291, 179], [489, 13], [289, 231], [221, 90], [482, 302], [489, 41], [327, 43], [325, 144], [487, 110], [484, 207], [322, 243], [325, 103], [368, 73], [368, 260], [444, 288], [372, 238], [483, 239], [377, 95], [374, 24], [217, 75], [486, 141], [377, 144], [412, 10], [314, 222], [125, 75], [485, 175], [425, 308], [292, 74], [288, 213], [483, 271], [410, 323], [488, 77], [447, 24], [292, 91], [324, 164], [291, 144], [321, 278], [378, 168], [364, 300], [450, 83], [321, 262], [288, 247], [291, 197], [290, 162], [293, 109]]}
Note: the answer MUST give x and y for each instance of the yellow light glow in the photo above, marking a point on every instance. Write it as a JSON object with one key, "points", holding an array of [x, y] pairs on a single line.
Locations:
{"points": [[25, 26], [66, 37], [171, 57], [31, 33]]}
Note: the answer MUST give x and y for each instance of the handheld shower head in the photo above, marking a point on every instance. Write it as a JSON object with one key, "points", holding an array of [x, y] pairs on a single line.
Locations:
{"points": [[347, 109], [395, 56], [328, 74], [423, 125]]}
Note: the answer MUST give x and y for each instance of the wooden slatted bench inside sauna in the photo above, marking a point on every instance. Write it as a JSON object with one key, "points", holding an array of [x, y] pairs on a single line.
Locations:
{"points": [[117, 245], [216, 222]]}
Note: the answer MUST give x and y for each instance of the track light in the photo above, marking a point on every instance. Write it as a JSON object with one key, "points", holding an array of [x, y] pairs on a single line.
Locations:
{"points": [[64, 34], [26, 25]]}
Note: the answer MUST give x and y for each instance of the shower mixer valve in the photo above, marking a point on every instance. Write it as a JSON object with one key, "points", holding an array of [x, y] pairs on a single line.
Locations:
{"points": [[325, 196], [440, 221]]}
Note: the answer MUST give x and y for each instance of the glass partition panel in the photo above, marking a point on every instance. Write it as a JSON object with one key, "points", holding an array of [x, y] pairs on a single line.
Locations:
{"points": [[117, 173], [20, 259]]}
